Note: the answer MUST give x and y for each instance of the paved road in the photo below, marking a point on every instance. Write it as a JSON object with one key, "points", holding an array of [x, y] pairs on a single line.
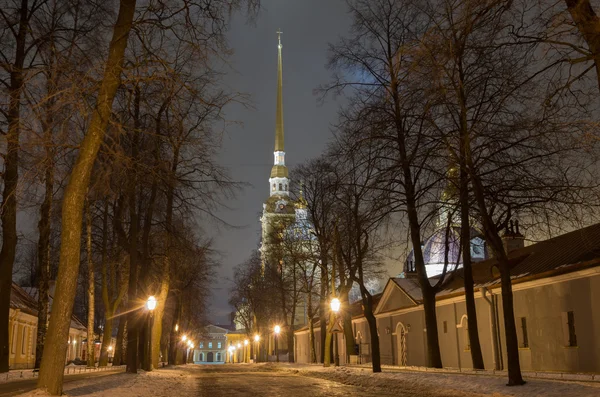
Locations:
{"points": [[221, 381], [14, 388], [201, 381]]}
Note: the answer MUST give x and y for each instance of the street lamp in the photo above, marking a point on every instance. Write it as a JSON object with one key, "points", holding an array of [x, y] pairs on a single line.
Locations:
{"points": [[277, 330], [335, 308], [231, 350], [150, 305], [183, 338], [256, 340]]}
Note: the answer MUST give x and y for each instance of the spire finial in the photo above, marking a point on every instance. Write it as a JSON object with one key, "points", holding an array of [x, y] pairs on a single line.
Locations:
{"points": [[279, 33]]}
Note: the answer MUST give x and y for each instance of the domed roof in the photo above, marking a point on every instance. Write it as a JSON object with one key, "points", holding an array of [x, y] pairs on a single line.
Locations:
{"points": [[434, 250]]}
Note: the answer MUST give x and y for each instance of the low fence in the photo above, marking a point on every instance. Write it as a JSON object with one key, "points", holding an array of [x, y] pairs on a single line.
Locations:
{"points": [[69, 370]]}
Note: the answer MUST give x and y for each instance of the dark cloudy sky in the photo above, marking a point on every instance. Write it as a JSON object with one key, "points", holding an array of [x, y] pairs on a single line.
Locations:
{"points": [[308, 26]]}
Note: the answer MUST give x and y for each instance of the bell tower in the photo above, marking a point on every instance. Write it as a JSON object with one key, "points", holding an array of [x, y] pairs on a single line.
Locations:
{"points": [[278, 181]]}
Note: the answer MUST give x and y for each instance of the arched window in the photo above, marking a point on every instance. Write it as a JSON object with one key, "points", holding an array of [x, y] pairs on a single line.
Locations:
{"points": [[274, 187], [280, 186], [464, 324]]}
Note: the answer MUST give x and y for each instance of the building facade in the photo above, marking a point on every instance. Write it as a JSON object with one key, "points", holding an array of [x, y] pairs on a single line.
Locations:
{"points": [[22, 336], [556, 292], [212, 346]]}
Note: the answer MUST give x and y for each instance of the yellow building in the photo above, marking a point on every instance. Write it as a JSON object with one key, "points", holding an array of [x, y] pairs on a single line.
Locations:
{"points": [[23, 331], [22, 323]]}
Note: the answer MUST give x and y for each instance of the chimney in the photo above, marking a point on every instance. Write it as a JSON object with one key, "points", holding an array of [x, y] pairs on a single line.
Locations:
{"points": [[512, 238], [410, 270]]}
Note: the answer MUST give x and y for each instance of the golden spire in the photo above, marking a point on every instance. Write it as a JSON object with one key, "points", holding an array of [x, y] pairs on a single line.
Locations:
{"points": [[279, 117]]}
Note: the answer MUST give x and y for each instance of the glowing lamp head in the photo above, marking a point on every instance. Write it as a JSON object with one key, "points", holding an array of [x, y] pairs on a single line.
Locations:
{"points": [[191, 345], [151, 303], [277, 329], [176, 327], [335, 305], [239, 345], [246, 342], [256, 338], [74, 341], [184, 338], [109, 348]]}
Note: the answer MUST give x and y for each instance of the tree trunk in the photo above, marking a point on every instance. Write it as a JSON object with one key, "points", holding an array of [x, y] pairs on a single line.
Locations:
{"points": [[44, 262], [134, 321], [434, 357], [372, 321], [347, 324], [493, 238], [323, 309], [53, 359], [465, 231], [327, 345], [91, 359], [44, 224], [118, 357], [158, 319], [106, 339], [588, 24], [8, 212], [311, 330]]}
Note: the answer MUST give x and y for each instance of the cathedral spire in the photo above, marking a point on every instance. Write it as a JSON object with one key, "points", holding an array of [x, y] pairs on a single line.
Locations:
{"points": [[279, 117], [278, 182]]}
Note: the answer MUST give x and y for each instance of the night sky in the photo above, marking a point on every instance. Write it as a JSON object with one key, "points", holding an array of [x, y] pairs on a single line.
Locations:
{"points": [[308, 26]]}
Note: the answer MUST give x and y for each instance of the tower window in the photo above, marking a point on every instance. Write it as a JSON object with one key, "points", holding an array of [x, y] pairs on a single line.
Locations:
{"points": [[286, 187], [274, 187], [280, 187]]}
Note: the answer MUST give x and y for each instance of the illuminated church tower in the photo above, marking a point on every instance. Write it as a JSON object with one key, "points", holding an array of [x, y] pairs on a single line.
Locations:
{"points": [[279, 210]]}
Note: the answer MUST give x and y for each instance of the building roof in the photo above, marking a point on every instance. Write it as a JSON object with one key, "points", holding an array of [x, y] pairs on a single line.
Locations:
{"points": [[32, 294], [562, 254], [21, 300]]}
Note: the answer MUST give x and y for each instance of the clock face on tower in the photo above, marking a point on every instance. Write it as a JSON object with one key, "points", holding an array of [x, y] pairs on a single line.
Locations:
{"points": [[280, 205]]}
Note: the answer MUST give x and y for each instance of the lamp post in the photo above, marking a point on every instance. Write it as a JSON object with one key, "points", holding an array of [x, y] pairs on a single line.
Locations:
{"points": [[257, 341], [190, 350], [335, 308], [184, 339], [150, 305], [231, 350], [246, 355], [277, 330]]}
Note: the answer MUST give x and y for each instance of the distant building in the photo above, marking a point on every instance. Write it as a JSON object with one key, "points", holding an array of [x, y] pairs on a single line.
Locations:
{"points": [[23, 330], [556, 292], [211, 348]]}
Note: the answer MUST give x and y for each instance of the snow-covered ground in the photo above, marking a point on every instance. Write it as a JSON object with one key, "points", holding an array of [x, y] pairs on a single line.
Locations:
{"points": [[163, 382], [295, 380], [414, 382]]}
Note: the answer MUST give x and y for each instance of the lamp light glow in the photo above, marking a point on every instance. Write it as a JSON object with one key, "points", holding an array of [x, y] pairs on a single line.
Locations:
{"points": [[109, 348], [277, 329], [184, 338], [176, 327], [335, 305], [151, 303], [256, 338], [246, 342]]}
